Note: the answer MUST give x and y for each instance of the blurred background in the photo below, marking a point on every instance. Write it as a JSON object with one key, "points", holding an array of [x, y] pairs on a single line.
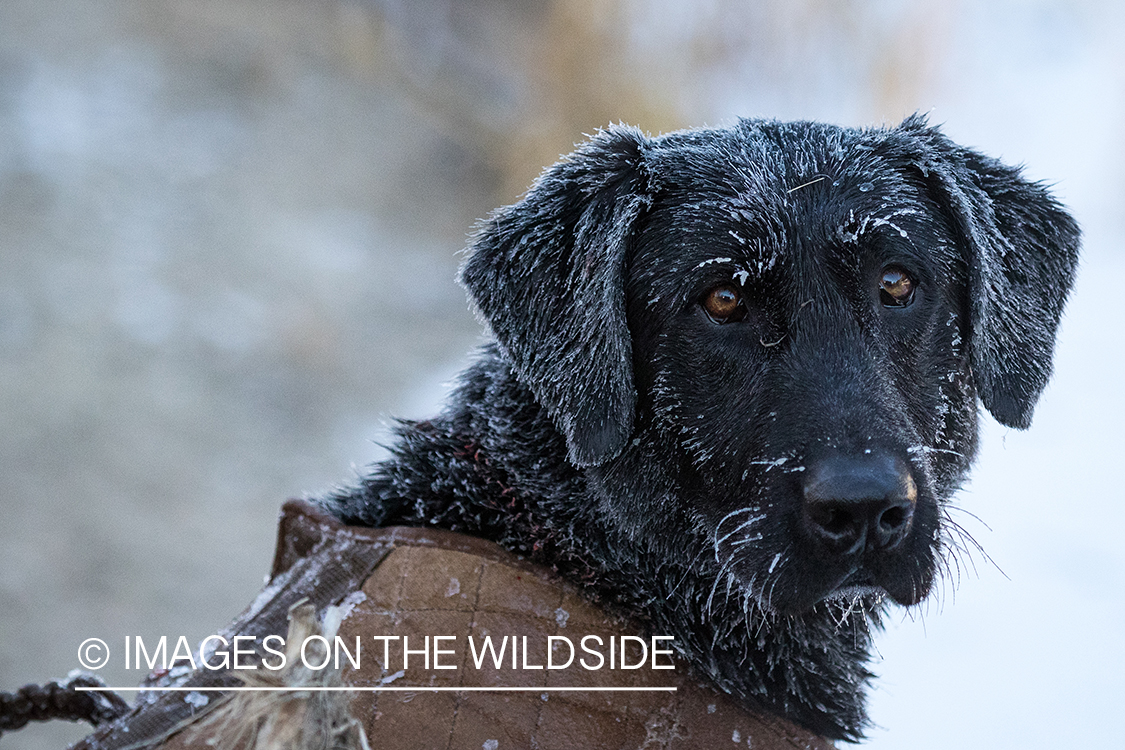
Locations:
{"points": [[228, 236]]}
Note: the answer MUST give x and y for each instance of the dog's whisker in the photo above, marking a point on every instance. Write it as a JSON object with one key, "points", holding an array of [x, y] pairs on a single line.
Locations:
{"points": [[969, 542], [927, 449], [689, 569], [769, 595], [733, 514], [771, 463], [838, 622], [718, 541], [748, 540], [741, 527], [950, 570], [949, 507], [777, 565], [715, 587]]}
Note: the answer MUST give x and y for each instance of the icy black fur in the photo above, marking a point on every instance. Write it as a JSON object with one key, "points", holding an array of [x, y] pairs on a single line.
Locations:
{"points": [[612, 431]]}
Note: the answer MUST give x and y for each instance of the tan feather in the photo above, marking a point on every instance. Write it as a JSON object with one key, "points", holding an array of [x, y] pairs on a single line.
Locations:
{"points": [[291, 719]]}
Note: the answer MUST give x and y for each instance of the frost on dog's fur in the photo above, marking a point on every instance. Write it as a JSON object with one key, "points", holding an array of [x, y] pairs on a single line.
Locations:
{"points": [[664, 460]]}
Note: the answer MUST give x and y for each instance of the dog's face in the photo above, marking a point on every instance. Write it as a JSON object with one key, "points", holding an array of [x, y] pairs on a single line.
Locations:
{"points": [[765, 344], [801, 346]]}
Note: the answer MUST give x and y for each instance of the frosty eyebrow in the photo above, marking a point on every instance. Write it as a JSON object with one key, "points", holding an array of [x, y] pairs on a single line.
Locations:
{"points": [[871, 222]]}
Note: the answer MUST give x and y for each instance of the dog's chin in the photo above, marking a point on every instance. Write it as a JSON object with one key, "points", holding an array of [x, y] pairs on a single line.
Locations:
{"points": [[857, 587], [854, 592], [862, 586]]}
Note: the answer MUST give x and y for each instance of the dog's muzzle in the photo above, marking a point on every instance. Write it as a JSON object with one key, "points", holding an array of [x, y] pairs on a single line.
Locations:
{"points": [[857, 511]]}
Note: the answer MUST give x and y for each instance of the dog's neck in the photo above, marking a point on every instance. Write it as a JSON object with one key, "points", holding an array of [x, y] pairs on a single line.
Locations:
{"points": [[491, 465], [479, 469]]}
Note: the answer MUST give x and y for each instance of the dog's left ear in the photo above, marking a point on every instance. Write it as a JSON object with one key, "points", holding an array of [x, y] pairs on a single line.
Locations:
{"points": [[1023, 253], [548, 275]]}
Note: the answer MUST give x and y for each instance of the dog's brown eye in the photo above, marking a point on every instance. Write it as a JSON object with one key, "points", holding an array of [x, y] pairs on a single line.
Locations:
{"points": [[724, 304], [896, 287]]}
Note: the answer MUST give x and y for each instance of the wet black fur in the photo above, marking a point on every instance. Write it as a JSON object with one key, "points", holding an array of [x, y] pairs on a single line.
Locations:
{"points": [[618, 434]]}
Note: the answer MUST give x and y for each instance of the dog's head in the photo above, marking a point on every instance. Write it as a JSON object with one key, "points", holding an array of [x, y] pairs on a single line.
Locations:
{"points": [[768, 341]]}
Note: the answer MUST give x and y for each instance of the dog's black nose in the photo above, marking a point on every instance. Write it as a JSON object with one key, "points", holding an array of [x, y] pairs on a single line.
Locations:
{"points": [[859, 502]]}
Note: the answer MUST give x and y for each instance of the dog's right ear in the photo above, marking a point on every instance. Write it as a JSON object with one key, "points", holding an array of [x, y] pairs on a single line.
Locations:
{"points": [[547, 273]]}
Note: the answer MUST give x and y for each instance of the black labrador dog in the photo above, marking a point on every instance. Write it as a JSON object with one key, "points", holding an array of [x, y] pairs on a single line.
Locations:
{"points": [[735, 384]]}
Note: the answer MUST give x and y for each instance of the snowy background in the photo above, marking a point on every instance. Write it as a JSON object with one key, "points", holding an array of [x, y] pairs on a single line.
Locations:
{"points": [[228, 236]]}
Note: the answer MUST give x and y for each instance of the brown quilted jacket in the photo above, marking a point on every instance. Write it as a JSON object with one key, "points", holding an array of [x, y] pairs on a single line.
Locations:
{"points": [[422, 583]]}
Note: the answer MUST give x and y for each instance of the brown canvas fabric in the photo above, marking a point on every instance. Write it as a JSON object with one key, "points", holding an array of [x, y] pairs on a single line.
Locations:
{"points": [[427, 583]]}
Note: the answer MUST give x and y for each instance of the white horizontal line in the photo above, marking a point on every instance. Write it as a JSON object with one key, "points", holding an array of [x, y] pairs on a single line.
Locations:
{"points": [[383, 689]]}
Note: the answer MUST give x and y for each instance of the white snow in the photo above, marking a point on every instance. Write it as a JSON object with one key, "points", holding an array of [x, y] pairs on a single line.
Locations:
{"points": [[561, 617]]}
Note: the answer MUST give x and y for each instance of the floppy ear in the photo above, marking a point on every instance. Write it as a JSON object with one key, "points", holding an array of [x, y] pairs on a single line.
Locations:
{"points": [[1022, 255], [548, 275]]}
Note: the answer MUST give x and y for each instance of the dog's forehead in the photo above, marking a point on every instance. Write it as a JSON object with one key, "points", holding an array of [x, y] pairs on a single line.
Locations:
{"points": [[770, 168], [753, 200]]}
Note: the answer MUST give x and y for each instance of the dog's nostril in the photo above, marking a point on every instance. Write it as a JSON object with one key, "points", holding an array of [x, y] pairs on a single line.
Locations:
{"points": [[857, 503], [893, 518], [892, 524], [840, 526], [835, 520]]}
